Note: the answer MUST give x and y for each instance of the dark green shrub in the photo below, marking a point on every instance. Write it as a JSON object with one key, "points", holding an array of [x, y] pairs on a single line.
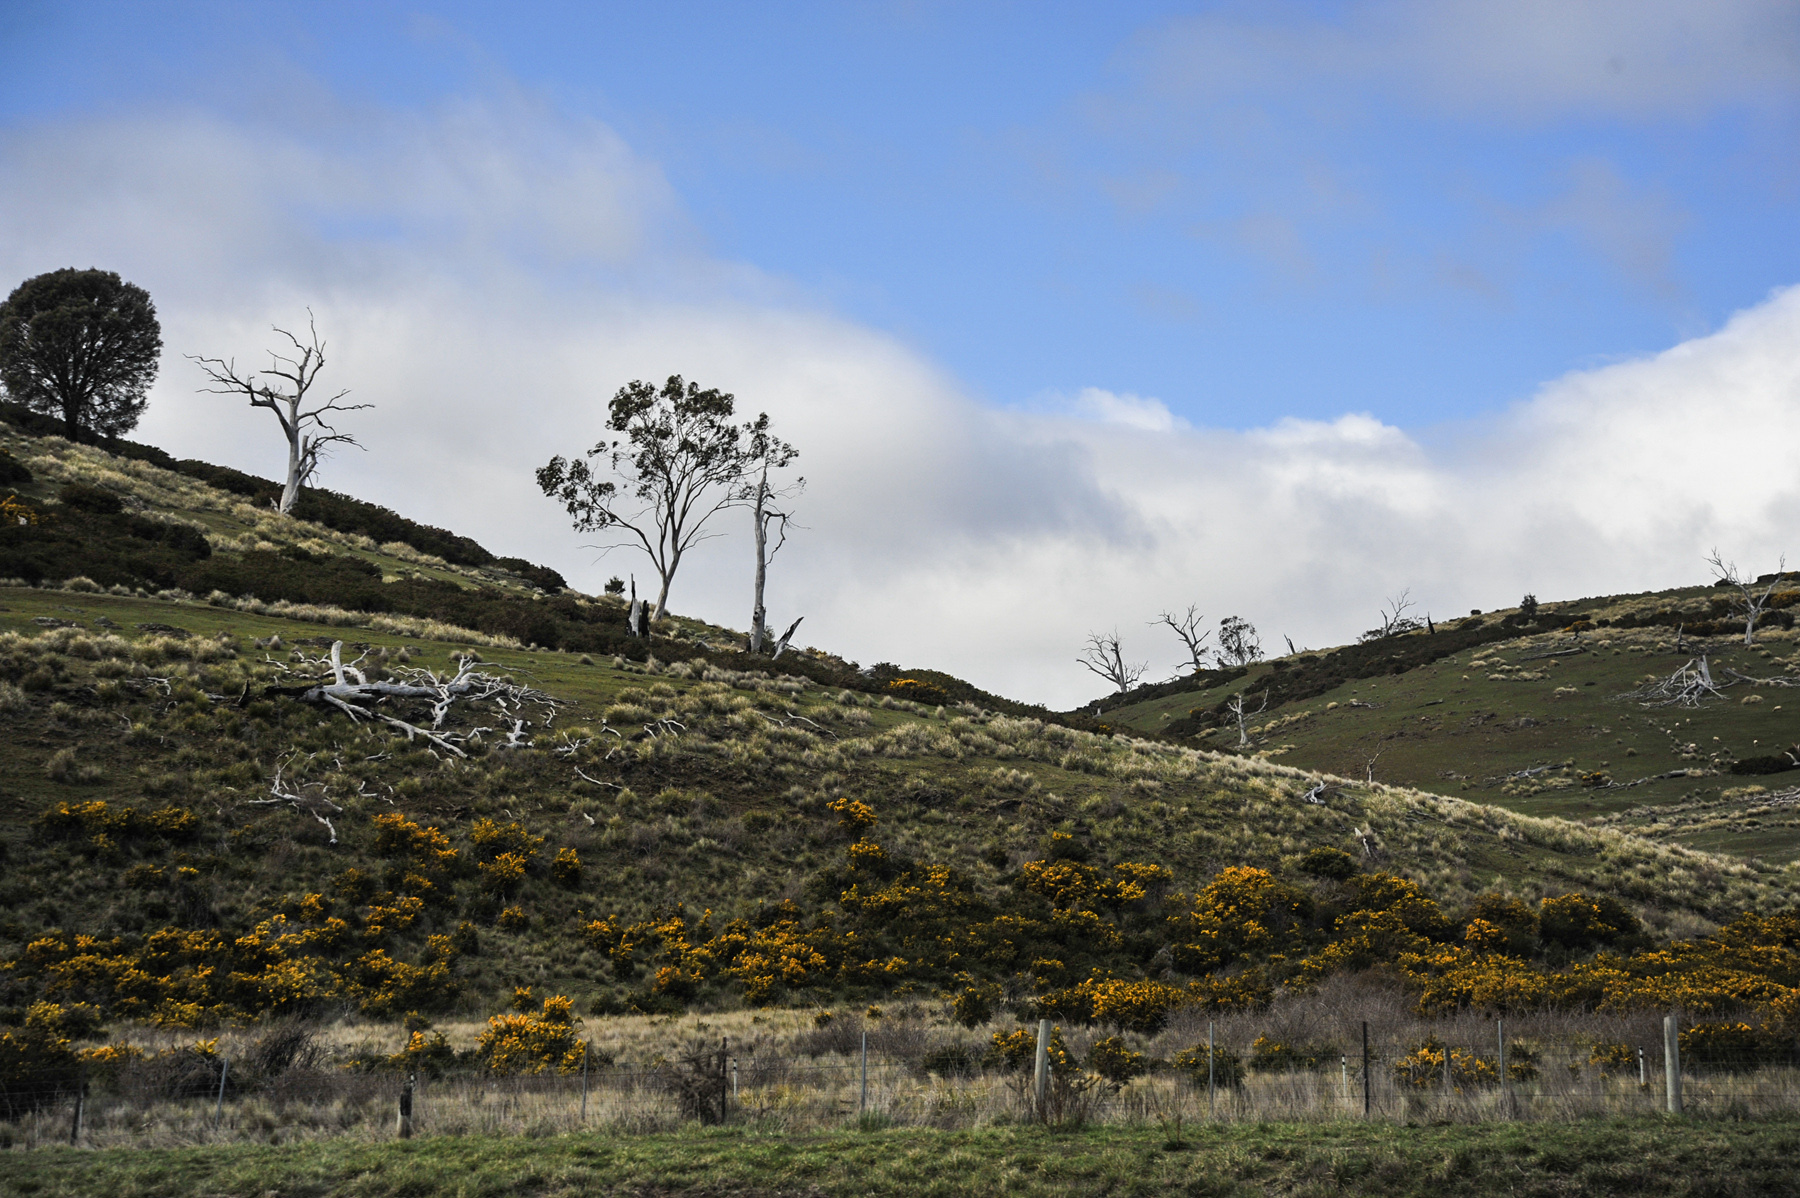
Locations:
{"points": [[1334, 864], [90, 499]]}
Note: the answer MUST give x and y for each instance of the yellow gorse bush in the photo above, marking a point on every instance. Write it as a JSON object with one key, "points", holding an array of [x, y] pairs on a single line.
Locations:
{"points": [[532, 1043]]}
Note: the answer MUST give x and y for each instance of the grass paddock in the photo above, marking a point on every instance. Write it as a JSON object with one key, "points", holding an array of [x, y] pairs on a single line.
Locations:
{"points": [[1636, 1157]]}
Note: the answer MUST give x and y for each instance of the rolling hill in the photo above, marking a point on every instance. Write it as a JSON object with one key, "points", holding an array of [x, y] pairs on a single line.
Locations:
{"points": [[199, 829]]}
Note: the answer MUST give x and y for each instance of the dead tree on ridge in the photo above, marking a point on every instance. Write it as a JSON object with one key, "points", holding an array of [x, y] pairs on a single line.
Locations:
{"points": [[1187, 627], [309, 432], [1105, 657], [769, 511], [1750, 604]]}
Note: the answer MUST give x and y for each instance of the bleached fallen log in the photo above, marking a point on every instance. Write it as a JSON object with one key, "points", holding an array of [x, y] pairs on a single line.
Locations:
{"points": [[350, 691]]}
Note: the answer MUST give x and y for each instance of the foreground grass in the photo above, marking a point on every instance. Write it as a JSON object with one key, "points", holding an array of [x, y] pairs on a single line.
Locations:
{"points": [[1637, 1157]]}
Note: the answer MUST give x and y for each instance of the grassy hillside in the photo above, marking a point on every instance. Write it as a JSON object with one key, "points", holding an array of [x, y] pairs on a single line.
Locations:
{"points": [[189, 839], [1544, 720]]}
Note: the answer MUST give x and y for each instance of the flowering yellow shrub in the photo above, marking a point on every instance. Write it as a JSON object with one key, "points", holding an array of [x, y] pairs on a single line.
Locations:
{"points": [[493, 839], [12, 511], [1242, 911], [527, 1043], [1423, 1068], [854, 815], [503, 874], [918, 692], [565, 868], [1140, 1006]]}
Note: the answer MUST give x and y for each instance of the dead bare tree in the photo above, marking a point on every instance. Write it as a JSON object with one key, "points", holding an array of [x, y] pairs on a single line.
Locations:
{"points": [[1750, 604], [1236, 707], [310, 798], [1187, 627], [309, 431], [769, 511], [1105, 657], [1686, 687], [1394, 619]]}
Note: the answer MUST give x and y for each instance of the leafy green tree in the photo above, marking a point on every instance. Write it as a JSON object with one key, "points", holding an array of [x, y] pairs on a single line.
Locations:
{"points": [[83, 345], [677, 460]]}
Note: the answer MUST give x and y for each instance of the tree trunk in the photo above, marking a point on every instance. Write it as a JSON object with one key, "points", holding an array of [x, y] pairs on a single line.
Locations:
{"points": [[757, 614], [291, 492], [662, 595]]}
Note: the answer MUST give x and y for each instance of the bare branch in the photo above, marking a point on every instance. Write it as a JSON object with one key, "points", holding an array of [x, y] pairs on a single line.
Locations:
{"points": [[1750, 604], [308, 430], [1187, 627], [1105, 657], [1236, 706]]}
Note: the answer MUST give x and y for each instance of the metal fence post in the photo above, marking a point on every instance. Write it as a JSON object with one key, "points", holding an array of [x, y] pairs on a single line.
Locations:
{"points": [[724, 1051], [1643, 1075], [1672, 1062], [1211, 1069], [862, 1102], [587, 1050], [219, 1110], [1365, 1068], [1500, 1050], [1041, 1079]]}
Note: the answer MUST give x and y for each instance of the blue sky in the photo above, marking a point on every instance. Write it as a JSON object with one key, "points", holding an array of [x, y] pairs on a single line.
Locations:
{"points": [[1043, 198], [1028, 226]]}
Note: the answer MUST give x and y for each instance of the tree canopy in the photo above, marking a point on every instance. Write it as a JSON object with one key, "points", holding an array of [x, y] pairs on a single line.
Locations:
{"points": [[83, 345], [678, 461]]}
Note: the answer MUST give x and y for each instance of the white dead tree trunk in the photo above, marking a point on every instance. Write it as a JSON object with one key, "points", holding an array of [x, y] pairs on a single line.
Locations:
{"points": [[769, 511], [636, 622], [782, 644], [1237, 708], [308, 430], [1105, 657], [1187, 627], [1750, 603]]}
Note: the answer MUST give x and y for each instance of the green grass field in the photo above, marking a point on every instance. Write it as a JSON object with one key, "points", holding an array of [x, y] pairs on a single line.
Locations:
{"points": [[1639, 1158]]}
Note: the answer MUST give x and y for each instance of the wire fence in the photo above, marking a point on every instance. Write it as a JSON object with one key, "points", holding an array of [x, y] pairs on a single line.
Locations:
{"points": [[1468, 1077]]}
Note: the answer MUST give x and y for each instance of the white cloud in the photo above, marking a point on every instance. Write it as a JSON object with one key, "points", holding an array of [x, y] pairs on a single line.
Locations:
{"points": [[488, 282]]}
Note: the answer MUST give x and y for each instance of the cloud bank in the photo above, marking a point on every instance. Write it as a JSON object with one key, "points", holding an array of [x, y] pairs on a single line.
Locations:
{"points": [[489, 274]]}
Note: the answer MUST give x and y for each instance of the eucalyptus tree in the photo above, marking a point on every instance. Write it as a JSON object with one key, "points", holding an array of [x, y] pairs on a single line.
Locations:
{"points": [[675, 459]]}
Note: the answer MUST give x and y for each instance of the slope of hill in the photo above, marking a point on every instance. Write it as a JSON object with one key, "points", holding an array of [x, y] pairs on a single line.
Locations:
{"points": [[208, 814], [1562, 717]]}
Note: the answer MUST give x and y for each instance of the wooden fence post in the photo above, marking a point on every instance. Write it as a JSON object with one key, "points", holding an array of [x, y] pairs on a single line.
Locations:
{"points": [[862, 1100], [1672, 1062], [1041, 1079], [405, 1124], [587, 1050], [80, 1108]]}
